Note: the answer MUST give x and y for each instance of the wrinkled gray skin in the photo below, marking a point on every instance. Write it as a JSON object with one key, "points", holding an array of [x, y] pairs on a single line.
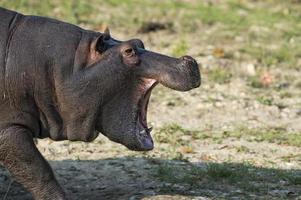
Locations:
{"points": [[65, 83]]}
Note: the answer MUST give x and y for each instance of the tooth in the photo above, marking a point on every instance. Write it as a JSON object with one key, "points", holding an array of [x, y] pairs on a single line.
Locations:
{"points": [[142, 132]]}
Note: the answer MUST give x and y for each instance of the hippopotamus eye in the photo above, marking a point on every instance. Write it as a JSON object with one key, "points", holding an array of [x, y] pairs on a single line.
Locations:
{"points": [[129, 52], [129, 57]]}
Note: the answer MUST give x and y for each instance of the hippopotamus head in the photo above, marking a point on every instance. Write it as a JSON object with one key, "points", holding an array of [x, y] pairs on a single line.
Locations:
{"points": [[116, 87]]}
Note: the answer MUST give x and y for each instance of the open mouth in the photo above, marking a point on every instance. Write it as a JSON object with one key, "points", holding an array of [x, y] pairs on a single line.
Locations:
{"points": [[143, 130]]}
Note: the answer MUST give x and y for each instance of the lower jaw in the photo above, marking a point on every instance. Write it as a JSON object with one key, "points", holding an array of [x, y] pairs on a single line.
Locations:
{"points": [[143, 142], [138, 143], [147, 144]]}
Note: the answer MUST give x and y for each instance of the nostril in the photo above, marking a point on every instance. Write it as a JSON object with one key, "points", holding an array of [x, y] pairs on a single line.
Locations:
{"points": [[187, 58]]}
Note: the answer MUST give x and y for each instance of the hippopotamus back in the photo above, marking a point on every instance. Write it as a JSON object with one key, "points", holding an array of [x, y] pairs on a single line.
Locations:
{"points": [[6, 20], [34, 50]]}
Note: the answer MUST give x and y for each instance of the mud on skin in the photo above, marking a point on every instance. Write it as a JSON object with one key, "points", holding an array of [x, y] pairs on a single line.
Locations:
{"points": [[66, 83]]}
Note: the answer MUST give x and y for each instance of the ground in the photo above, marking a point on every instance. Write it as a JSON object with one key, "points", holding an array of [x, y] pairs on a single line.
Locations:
{"points": [[238, 136]]}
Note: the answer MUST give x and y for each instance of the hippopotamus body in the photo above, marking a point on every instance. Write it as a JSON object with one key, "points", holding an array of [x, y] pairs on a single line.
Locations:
{"points": [[60, 81]]}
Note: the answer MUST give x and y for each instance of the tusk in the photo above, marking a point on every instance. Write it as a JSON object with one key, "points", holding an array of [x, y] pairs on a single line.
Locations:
{"points": [[150, 129]]}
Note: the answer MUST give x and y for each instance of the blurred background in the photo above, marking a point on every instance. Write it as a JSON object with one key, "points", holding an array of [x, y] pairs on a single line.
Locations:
{"points": [[238, 136]]}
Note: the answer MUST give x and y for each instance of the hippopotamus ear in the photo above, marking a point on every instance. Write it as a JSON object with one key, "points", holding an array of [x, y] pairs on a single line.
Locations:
{"points": [[107, 32], [98, 46], [102, 41]]}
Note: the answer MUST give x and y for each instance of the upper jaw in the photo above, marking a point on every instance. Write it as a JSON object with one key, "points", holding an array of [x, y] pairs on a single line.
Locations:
{"points": [[181, 74]]}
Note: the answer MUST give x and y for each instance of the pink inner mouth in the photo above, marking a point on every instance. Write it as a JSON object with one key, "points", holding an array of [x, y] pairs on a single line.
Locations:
{"points": [[148, 85], [144, 130]]}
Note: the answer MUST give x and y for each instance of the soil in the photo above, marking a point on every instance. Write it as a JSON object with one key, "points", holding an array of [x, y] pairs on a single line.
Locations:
{"points": [[105, 170]]}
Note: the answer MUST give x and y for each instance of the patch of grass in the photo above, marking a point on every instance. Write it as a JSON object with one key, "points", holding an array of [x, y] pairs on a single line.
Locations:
{"points": [[285, 94], [255, 81], [220, 75], [243, 149], [176, 135], [180, 48], [244, 177], [281, 26], [282, 53], [290, 157], [171, 134], [176, 174], [217, 172], [272, 135], [265, 101], [213, 14], [294, 180], [118, 3], [178, 139], [71, 11]]}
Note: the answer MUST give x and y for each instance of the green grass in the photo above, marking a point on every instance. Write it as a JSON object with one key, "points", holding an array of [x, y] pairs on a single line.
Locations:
{"points": [[259, 23], [180, 48], [71, 11], [244, 177], [220, 75], [265, 101], [284, 54], [272, 135], [254, 81], [173, 134], [242, 148], [275, 136]]}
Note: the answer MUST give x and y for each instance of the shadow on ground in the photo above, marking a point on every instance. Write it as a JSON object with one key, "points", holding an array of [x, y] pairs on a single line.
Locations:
{"points": [[148, 178]]}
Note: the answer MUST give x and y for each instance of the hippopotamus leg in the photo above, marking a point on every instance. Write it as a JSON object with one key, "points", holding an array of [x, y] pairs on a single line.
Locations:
{"points": [[21, 157]]}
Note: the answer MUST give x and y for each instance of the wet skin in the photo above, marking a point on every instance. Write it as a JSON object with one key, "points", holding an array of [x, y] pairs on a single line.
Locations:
{"points": [[62, 82]]}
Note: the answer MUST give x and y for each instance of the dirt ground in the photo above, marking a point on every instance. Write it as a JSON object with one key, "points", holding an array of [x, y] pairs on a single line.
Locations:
{"points": [[228, 139]]}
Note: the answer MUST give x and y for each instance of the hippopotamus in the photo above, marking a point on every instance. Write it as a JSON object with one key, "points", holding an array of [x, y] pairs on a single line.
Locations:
{"points": [[63, 82]]}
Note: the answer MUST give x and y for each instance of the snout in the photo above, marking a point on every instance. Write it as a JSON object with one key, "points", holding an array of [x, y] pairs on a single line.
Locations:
{"points": [[193, 71], [180, 74]]}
